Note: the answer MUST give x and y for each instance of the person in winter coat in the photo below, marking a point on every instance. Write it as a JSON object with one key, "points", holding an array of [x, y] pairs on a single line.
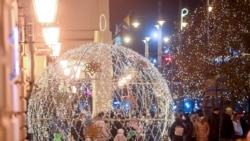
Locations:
{"points": [[134, 129], [78, 127], [117, 124], [202, 129], [226, 126], [238, 130], [101, 125], [188, 126], [214, 124], [194, 118], [120, 135], [177, 129]]}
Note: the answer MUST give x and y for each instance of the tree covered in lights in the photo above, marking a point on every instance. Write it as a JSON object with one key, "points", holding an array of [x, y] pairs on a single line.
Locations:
{"points": [[213, 46]]}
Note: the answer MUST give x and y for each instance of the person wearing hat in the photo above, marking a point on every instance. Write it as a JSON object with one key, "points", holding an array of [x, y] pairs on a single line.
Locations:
{"points": [[213, 121], [243, 122], [238, 130], [177, 129], [227, 128]]}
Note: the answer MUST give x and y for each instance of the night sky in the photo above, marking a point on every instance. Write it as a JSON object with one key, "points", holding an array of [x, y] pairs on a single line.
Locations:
{"points": [[147, 12]]}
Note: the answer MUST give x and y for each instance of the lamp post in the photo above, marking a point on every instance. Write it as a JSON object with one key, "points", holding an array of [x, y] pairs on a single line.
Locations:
{"points": [[45, 10], [146, 41], [159, 27], [184, 12], [47, 17]]}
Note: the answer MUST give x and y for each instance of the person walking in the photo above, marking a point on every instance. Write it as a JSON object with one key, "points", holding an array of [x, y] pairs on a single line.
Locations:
{"points": [[213, 122], [226, 126], [238, 130], [188, 126], [177, 129], [101, 125], [202, 129], [193, 118], [78, 127]]}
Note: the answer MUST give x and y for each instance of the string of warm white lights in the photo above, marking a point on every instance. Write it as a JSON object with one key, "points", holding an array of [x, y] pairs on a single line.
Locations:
{"points": [[96, 78], [212, 48]]}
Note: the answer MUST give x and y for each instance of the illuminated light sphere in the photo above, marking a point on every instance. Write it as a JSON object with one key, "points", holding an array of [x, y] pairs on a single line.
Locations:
{"points": [[96, 78]]}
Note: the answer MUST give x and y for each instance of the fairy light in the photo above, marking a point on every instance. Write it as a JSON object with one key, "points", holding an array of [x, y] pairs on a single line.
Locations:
{"points": [[59, 98], [228, 25]]}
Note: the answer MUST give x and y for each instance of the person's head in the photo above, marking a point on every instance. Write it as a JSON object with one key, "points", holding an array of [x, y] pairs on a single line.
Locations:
{"points": [[177, 115], [101, 114], [199, 113], [229, 111], [185, 118], [120, 131], [202, 119], [216, 110], [81, 115]]}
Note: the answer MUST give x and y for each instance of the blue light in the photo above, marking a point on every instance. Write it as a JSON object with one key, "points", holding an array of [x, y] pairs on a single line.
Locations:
{"points": [[116, 102], [187, 105], [155, 35], [174, 107], [166, 51]]}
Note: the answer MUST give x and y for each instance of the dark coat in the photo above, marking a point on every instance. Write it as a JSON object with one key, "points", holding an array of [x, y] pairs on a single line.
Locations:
{"points": [[227, 128], [214, 124], [178, 122], [77, 130], [189, 130], [244, 126]]}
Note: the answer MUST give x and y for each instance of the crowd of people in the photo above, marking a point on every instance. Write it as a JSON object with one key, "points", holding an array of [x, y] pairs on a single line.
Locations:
{"points": [[224, 125], [115, 127], [219, 126]]}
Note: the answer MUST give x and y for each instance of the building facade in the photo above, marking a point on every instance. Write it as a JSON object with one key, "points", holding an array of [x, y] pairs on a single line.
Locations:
{"points": [[24, 54]]}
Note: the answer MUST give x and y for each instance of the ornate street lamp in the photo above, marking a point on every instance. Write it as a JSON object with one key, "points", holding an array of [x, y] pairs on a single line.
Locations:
{"points": [[55, 49], [184, 12], [146, 40], [47, 17], [51, 35], [159, 27], [45, 10]]}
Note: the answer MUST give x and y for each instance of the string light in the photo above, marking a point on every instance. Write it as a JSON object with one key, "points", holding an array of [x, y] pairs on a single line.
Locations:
{"points": [[60, 97], [228, 26]]}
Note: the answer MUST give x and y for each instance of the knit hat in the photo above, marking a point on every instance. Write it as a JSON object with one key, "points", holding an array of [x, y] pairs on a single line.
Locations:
{"points": [[240, 113], [229, 110]]}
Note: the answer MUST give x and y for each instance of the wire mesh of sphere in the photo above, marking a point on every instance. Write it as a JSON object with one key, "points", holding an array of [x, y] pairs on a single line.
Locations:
{"points": [[99, 82]]}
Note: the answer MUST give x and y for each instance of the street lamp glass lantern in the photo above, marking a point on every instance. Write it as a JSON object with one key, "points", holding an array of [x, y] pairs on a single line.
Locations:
{"points": [[147, 38], [51, 35], [45, 10], [161, 22], [136, 24], [210, 8], [56, 48], [183, 24], [127, 39], [165, 39]]}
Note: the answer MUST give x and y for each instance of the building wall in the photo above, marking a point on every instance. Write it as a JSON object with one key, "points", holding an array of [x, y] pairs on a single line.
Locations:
{"points": [[77, 19]]}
